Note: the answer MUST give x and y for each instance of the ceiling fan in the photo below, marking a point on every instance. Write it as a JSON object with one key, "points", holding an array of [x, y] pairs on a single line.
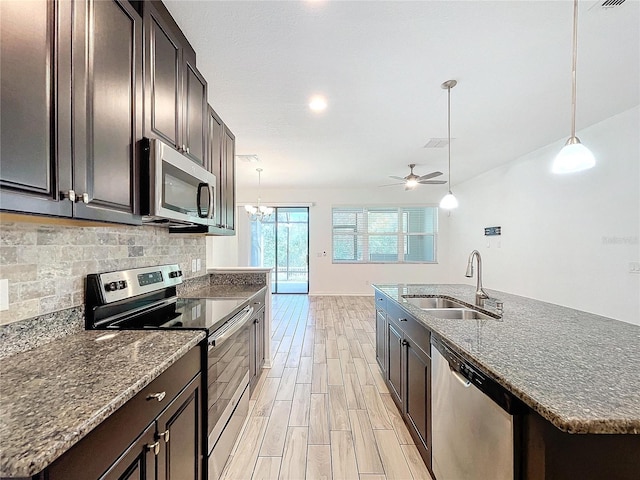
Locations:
{"points": [[412, 180]]}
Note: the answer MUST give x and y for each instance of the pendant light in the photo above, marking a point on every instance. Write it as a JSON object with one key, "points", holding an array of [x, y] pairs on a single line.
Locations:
{"points": [[258, 212], [449, 201], [574, 156]]}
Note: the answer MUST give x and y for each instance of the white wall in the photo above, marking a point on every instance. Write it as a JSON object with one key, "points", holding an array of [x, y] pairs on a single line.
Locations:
{"points": [[565, 239], [222, 251], [327, 278]]}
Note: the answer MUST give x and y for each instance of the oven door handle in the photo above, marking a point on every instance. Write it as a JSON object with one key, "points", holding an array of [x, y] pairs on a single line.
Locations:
{"points": [[235, 324]]}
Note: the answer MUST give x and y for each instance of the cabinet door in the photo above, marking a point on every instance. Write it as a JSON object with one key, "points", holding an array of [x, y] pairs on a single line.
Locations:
{"points": [[394, 349], [179, 433], [381, 328], [418, 395], [260, 341], [253, 353], [230, 179], [195, 114], [107, 109], [214, 153], [138, 462], [35, 102], [163, 100]]}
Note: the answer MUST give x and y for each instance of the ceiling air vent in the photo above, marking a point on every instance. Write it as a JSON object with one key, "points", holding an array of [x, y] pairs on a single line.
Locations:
{"points": [[437, 143], [611, 3], [248, 158], [606, 4]]}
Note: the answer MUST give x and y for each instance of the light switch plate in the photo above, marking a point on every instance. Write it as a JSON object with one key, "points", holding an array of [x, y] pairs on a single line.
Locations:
{"points": [[193, 265], [198, 265], [4, 294]]}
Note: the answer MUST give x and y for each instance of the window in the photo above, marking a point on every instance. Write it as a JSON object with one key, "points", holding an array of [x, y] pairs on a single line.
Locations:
{"points": [[384, 234]]}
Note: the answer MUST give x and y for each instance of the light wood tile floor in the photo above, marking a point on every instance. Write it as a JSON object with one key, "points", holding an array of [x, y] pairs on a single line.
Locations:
{"points": [[323, 411]]}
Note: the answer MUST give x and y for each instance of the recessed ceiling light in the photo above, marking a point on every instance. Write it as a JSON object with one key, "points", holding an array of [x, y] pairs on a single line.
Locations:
{"points": [[317, 103]]}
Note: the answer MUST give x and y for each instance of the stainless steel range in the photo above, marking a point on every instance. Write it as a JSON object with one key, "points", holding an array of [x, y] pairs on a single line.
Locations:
{"points": [[145, 298]]}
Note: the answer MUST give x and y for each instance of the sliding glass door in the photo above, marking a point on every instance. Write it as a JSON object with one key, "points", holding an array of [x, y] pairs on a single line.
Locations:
{"points": [[281, 242]]}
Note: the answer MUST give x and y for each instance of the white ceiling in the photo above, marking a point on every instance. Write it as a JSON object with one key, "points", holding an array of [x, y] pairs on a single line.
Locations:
{"points": [[380, 65]]}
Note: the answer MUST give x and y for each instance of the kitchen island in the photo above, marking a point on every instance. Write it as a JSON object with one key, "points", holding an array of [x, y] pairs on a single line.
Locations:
{"points": [[577, 373]]}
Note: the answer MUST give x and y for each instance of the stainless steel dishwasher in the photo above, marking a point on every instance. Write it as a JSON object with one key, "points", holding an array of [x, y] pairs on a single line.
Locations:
{"points": [[475, 421]]}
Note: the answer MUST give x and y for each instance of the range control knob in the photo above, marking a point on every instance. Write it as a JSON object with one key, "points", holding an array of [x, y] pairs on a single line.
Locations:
{"points": [[175, 274], [111, 287]]}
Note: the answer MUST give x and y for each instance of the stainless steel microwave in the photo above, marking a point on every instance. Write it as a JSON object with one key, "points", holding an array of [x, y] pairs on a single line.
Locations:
{"points": [[175, 190]]}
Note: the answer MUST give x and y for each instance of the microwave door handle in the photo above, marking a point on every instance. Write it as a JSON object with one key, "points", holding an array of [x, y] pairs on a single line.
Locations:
{"points": [[212, 201], [199, 199]]}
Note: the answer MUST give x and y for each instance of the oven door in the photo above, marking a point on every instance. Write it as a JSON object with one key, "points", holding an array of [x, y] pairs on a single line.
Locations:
{"points": [[228, 372]]}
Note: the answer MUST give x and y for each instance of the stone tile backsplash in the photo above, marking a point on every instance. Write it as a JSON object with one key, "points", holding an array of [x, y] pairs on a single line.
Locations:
{"points": [[46, 264]]}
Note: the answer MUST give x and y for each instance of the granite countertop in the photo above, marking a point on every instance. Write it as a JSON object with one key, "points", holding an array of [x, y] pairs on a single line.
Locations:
{"points": [[578, 370], [225, 291], [53, 395]]}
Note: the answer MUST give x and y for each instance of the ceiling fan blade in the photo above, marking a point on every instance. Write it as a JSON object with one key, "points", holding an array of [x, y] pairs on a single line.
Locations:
{"points": [[391, 184], [431, 182], [396, 178], [430, 175]]}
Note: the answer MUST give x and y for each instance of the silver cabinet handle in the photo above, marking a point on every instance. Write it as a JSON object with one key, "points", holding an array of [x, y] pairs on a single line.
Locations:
{"points": [[85, 198], [71, 195], [154, 447], [164, 436], [188, 150], [157, 396]]}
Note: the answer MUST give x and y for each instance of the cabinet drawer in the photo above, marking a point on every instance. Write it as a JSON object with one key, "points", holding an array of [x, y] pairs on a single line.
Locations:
{"points": [[417, 332], [97, 451], [381, 301], [258, 301]]}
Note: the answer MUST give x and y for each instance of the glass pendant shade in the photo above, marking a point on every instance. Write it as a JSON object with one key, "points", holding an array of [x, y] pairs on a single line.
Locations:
{"points": [[574, 157], [449, 201]]}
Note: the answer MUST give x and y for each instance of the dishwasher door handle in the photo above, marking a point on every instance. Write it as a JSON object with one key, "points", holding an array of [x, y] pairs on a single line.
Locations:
{"points": [[465, 383]]}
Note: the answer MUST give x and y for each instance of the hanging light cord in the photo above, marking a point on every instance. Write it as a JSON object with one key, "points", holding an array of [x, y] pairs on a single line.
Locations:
{"points": [[449, 130], [573, 68]]}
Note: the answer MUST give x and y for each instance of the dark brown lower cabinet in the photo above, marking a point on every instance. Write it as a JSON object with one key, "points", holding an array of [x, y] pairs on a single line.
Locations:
{"points": [[402, 344], [256, 348], [394, 350], [418, 394], [381, 329], [138, 462], [157, 435]]}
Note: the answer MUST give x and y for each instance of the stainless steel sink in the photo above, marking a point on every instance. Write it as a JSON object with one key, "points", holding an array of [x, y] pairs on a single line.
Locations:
{"points": [[446, 308], [458, 314], [433, 302]]}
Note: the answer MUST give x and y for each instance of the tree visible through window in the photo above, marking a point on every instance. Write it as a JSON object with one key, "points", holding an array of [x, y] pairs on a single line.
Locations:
{"points": [[384, 234]]}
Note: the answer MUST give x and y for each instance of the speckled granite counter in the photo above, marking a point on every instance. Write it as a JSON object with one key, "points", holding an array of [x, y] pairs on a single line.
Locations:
{"points": [[225, 291], [55, 394], [578, 370]]}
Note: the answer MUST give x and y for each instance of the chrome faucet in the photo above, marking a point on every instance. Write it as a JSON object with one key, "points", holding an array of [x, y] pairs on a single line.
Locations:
{"points": [[481, 295]]}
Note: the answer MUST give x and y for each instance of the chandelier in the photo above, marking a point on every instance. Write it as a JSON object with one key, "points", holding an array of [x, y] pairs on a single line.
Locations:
{"points": [[258, 212]]}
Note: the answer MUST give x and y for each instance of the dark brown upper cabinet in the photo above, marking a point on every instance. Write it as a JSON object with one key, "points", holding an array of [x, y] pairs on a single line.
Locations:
{"points": [[221, 159], [107, 109], [176, 92], [71, 109], [35, 107]]}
